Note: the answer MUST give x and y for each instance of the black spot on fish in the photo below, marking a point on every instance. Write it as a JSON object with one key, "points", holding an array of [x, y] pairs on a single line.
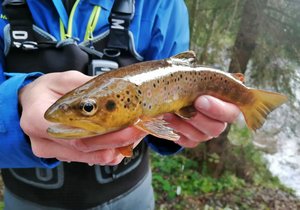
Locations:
{"points": [[127, 92], [118, 96], [128, 99], [150, 106], [181, 76], [154, 85], [110, 105], [145, 104], [140, 92]]}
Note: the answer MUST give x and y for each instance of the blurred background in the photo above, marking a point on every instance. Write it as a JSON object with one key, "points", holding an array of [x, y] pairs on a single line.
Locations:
{"points": [[242, 169]]}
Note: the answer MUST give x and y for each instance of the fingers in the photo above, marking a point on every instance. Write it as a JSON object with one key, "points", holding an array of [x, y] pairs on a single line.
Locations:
{"points": [[40, 148], [210, 121], [185, 129], [207, 125], [119, 138], [101, 150], [63, 82], [216, 109]]}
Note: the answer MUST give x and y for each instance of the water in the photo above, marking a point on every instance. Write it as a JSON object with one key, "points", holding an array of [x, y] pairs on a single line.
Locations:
{"points": [[280, 139]]}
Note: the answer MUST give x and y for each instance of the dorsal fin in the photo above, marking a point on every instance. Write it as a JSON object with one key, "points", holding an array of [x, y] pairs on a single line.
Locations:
{"points": [[187, 58]]}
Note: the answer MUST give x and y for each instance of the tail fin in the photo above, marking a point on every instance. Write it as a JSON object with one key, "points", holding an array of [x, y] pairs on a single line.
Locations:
{"points": [[264, 102]]}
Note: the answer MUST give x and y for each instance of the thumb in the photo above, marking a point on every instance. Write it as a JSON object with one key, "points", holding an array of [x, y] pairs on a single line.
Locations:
{"points": [[64, 82]]}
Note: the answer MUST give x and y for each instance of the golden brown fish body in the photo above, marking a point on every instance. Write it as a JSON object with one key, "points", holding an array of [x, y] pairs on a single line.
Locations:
{"points": [[137, 94]]}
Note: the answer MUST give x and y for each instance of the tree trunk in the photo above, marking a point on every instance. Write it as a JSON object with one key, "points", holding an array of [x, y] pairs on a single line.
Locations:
{"points": [[246, 37], [193, 17], [242, 51]]}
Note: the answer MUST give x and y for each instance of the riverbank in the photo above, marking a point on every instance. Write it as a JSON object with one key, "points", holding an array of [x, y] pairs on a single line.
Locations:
{"points": [[179, 185], [248, 198]]}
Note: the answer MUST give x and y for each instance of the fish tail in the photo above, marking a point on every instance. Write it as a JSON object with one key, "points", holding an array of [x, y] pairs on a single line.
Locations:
{"points": [[263, 103]]}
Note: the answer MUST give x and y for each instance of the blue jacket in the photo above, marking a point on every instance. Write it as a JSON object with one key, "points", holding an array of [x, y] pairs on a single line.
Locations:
{"points": [[160, 29]]}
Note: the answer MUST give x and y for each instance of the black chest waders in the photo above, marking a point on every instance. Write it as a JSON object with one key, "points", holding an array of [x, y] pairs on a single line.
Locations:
{"points": [[29, 49]]}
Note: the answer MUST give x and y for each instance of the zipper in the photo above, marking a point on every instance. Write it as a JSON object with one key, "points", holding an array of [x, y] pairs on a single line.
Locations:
{"points": [[63, 33], [93, 20]]}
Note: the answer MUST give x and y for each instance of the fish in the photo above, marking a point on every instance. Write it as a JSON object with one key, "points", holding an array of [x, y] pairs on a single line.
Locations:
{"points": [[136, 95]]}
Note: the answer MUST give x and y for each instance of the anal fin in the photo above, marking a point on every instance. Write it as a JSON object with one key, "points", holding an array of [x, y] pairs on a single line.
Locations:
{"points": [[126, 151], [157, 127]]}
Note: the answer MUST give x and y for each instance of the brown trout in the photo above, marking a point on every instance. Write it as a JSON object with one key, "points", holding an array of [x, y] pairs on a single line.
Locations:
{"points": [[135, 95]]}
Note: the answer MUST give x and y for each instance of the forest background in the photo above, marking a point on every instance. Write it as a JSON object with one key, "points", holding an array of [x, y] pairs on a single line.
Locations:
{"points": [[241, 169]]}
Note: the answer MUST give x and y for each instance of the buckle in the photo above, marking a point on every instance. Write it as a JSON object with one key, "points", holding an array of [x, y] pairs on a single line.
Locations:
{"points": [[100, 66]]}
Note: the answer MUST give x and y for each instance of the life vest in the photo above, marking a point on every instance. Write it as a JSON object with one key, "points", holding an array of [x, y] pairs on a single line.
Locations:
{"points": [[29, 49]]}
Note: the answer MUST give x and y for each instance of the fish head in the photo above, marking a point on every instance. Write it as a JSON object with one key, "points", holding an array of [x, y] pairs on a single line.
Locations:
{"points": [[95, 109]]}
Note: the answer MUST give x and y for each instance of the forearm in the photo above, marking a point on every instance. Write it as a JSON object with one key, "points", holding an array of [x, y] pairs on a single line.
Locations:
{"points": [[15, 149]]}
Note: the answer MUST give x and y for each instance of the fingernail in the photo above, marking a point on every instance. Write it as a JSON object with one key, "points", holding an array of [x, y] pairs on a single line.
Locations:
{"points": [[203, 103], [90, 164]]}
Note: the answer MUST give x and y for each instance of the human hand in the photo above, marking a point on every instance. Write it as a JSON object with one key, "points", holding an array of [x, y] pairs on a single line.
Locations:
{"points": [[36, 98], [210, 121]]}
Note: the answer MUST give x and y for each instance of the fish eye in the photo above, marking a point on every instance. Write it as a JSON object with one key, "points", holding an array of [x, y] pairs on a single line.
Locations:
{"points": [[88, 107]]}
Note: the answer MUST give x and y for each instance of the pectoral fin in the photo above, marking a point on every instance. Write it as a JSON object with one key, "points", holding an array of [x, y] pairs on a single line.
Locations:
{"points": [[157, 127], [127, 151], [186, 112]]}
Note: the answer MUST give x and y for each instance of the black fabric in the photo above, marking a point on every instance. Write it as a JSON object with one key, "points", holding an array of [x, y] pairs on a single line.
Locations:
{"points": [[69, 57], [68, 5], [20, 19], [120, 18], [80, 189]]}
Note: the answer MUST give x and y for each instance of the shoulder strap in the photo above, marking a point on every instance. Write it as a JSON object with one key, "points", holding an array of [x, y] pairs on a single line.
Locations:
{"points": [[120, 18], [21, 25]]}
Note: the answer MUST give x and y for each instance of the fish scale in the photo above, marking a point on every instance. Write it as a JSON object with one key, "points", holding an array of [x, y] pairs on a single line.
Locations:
{"points": [[136, 95]]}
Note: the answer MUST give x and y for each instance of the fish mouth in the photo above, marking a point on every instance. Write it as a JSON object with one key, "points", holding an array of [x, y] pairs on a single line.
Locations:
{"points": [[62, 131]]}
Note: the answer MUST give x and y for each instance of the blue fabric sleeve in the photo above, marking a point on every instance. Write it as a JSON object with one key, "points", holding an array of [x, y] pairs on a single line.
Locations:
{"points": [[170, 36], [170, 33], [15, 149]]}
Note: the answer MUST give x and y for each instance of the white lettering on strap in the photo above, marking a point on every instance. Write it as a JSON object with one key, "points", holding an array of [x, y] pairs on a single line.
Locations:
{"points": [[117, 24]]}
